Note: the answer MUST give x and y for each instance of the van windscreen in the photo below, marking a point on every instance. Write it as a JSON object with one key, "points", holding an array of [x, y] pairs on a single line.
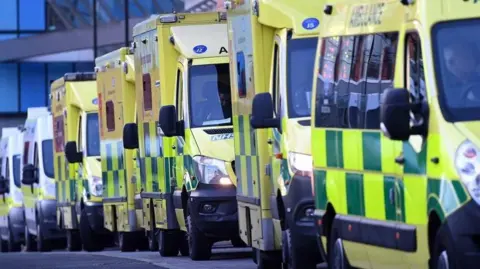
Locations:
{"points": [[93, 135], [47, 156]]}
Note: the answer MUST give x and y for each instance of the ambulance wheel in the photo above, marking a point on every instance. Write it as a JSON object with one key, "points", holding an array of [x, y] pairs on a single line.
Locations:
{"points": [[199, 245], [126, 241], [3, 245], [43, 245], [73, 241], [90, 239], [152, 240], [443, 257], [167, 243], [267, 261], [337, 258], [30, 244], [184, 249], [292, 257]]}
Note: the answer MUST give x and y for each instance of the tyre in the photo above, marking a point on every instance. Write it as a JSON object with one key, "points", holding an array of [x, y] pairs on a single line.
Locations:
{"points": [[30, 244], [74, 242], [237, 242], [90, 240], [443, 251], [3, 245], [183, 239], [199, 245], [11, 244], [168, 243], [43, 245], [126, 241], [142, 241], [337, 258], [292, 257], [266, 262]]}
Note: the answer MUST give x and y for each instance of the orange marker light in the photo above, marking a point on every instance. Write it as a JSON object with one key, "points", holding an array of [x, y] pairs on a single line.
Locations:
{"points": [[349, 227], [279, 156], [397, 235]]}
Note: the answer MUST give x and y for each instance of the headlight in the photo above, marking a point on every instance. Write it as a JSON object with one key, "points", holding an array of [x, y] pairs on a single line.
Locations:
{"points": [[211, 171], [96, 186], [300, 162], [467, 162]]}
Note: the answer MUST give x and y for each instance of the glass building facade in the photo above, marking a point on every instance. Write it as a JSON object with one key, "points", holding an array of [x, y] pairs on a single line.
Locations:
{"points": [[25, 83]]}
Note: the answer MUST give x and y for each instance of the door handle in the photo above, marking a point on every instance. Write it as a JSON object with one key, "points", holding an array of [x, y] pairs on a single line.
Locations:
{"points": [[400, 159], [270, 141]]}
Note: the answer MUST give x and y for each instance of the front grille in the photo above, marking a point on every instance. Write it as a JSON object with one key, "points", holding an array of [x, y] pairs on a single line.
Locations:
{"points": [[219, 131]]}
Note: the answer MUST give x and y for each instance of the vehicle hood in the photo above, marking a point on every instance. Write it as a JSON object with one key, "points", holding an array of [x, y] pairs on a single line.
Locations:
{"points": [[298, 135], [215, 142]]}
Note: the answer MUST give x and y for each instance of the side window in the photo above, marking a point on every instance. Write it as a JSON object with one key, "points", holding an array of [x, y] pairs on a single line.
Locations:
{"points": [[7, 168], [276, 81], [25, 152], [353, 73], [35, 156], [110, 111], [147, 92], [179, 95], [80, 136], [415, 75], [242, 78]]}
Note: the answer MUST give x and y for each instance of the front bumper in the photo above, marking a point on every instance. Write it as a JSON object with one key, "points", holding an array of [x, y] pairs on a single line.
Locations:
{"points": [[95, 217], [213, 209], [48, 220], [302, 226], [17, 223], [463, 226]]}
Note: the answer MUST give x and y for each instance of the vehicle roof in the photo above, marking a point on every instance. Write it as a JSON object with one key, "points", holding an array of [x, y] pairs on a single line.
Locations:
{"points": [[116, 55], [290, 14], [36, 112], [179, 19], [213, 37], [10, 131]]}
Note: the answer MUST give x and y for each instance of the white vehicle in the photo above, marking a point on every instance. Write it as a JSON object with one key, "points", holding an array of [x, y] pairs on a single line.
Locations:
{"points": [[12, 221], [39, 191]]}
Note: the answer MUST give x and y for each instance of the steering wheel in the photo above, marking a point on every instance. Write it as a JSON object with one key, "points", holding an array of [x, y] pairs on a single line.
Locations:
{"points": [[470, 88]]}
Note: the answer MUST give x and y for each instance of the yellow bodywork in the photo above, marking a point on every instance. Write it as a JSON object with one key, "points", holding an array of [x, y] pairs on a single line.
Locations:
{"points": [[116, 97], [70, 102], [355, 169], [255, 28]]}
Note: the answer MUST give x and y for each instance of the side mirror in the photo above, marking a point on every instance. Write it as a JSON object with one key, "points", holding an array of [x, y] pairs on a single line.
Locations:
{"points": [[168, 121], [3, 186], [395, 114], [29, 175], [130, 136], [73, 156], [262, 112]]}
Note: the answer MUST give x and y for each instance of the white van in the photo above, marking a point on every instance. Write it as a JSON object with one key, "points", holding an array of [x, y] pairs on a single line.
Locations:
{"points": [[12, 221], [41, 231]]}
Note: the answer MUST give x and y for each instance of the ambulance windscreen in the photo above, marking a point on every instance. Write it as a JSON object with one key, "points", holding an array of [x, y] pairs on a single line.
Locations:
{"points": [[93, 135], [300, 64], [16, 170], [210, 100], [456, 51], [47, 156]]}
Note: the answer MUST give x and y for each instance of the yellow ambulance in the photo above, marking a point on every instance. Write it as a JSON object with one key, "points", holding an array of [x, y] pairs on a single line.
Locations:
{"points": [[116, 101], [178, 53], [395, 134], [273, 45], [78, 173], [12, 220]]}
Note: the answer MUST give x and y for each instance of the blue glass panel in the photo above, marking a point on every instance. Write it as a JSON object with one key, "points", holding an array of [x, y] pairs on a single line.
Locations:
{"points": [[7, 36], [32, 85], [84, 67], [8, 88], [25, 35], [56, 71], [32, 14], [8, 15]]}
